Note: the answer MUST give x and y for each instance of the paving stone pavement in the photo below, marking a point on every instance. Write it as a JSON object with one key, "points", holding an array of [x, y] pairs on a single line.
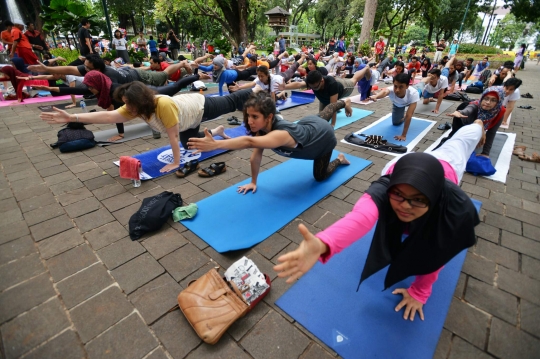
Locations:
{"points": [[73, 285]]}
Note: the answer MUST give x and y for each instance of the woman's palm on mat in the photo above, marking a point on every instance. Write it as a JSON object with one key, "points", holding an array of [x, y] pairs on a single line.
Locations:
{"points": [[294, 264]]}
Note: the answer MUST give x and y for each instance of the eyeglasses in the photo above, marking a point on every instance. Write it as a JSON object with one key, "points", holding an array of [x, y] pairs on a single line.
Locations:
{"points": [[316, 87], [490, 99], [413, 202]]}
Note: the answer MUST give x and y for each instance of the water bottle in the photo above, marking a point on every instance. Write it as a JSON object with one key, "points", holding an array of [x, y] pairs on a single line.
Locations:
{"points": [[83, 106], [136, 183]]}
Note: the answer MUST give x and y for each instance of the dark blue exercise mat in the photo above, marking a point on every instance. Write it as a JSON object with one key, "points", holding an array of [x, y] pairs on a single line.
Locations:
{"points": [[364, 324], [384, 127], [230, 221], [154, 160], [297, 98]]}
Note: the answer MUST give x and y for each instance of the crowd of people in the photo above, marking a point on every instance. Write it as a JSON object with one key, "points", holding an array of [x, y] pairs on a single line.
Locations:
{"points": [[417, 194]]}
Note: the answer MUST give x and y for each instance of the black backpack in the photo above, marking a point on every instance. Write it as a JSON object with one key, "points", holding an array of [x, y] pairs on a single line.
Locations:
{"points": [[153, 213], [75, 137]]}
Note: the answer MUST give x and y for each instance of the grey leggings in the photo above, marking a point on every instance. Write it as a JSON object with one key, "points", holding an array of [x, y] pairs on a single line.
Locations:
{"points": [[214, 107]]}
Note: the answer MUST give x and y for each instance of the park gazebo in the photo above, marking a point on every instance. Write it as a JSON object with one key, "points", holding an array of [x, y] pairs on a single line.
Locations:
{"points": [[278, 18]]}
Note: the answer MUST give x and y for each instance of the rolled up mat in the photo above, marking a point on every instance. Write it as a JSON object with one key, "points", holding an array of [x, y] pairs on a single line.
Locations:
{"points": [[130, 133], [283, 192], [427, 109], [364, 324]]}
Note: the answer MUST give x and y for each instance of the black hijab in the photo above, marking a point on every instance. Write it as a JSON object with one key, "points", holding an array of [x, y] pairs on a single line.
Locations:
{"points": [[434, 238]]}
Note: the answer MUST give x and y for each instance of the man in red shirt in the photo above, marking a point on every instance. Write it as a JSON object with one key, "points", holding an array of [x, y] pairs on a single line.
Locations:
{"points": [[6, 35], [379, 49], [413, 67], [21, 45], [36, 40]]}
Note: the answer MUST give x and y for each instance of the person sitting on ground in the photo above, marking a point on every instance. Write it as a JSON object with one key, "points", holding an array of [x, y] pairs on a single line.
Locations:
{"points": [[268, 82], [328, 89], [468, 71], [480, 67], [178, 116], [402, 96], [418, 196], [310, 138], [489, 109], [511, 95]]}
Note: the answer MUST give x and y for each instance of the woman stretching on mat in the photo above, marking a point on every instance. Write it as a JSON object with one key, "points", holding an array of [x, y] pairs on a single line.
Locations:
{"points": [[489, 109], [103, 88], [178, 116], [311, 138], [417, 196]]}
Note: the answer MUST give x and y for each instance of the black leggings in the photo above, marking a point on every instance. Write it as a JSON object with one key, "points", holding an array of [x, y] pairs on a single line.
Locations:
{"points": [[323, 168], [246, 74], [214, 107], [274, 63]]}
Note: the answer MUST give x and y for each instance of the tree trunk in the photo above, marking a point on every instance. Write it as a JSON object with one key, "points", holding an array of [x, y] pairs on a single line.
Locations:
{"points": [[134, 26], [369, 18], [430, 33]]}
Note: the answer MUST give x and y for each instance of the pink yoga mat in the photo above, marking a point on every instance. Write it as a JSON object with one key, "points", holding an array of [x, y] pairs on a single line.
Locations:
{"points": [[31, 101]]}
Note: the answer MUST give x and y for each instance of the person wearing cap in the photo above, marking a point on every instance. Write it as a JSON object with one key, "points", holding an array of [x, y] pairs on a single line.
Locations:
{"points": [[21, 45], [453, 48], [439, 47]]}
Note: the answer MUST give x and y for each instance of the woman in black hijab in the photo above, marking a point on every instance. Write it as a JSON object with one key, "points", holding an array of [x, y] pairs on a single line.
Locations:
{"points": [[417, 196]]}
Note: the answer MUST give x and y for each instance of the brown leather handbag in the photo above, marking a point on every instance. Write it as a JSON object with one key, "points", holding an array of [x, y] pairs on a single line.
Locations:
{"points": [[211, 306]]}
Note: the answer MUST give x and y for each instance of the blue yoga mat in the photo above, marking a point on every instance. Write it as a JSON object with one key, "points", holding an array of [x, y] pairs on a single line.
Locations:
{"points": [[343, 120], [152, 161], [388, 131], [297, 98], [230, 221], [364, 324]]}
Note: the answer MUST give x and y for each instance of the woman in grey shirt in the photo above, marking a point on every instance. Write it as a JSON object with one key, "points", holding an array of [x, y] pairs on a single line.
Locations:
{"points": [[311, 138]]}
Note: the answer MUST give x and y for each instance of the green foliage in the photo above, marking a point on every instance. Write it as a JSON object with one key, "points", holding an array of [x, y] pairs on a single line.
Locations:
{"points": [[525, 10], [69, 55], [478, 49], [416, 34], [365, 49], [64, 16], [135, 56], [223, 45]]}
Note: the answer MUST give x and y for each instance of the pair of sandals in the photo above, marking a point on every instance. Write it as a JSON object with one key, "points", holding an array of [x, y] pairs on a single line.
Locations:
{"points": [[526, 107], [233, 120], [520, 152], [213, 170], [527, 95], [444, 126]]}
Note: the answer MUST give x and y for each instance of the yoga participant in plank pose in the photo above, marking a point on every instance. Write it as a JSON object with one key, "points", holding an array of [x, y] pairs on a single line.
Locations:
{"points": [[311, 138], [178, 116], [103, 88], [328, 89], [417, 196]]}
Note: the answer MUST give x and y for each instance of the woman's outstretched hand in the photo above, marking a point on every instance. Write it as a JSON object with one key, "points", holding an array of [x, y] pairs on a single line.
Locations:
{"points": [[205, 144], [294, 264], [58, 116], [411, 305]]}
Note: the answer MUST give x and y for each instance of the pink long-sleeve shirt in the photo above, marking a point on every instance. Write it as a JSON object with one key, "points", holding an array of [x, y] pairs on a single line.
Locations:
{"points": [[360, 220]]}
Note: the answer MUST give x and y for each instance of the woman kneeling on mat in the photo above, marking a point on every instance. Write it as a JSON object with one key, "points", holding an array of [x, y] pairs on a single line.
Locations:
{"points": [[177, 115], [417, 196], [311, 138]]}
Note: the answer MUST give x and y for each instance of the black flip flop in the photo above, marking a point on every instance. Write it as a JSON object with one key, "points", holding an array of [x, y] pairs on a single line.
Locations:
{"points": [[527, 95], [526, 107], [233, 120], [444, 126]]}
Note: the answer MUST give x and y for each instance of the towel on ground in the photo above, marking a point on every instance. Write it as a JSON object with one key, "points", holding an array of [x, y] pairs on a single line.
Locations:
{"points": [[185, 212], [129, 167]]}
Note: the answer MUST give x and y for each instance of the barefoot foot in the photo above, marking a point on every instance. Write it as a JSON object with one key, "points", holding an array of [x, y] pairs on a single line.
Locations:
{"points": [[343, 160], [220, 131], [116, 138]]}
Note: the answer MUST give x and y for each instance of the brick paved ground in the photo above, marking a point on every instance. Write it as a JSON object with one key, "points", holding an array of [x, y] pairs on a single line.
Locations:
{"points": [[72, 283]]}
